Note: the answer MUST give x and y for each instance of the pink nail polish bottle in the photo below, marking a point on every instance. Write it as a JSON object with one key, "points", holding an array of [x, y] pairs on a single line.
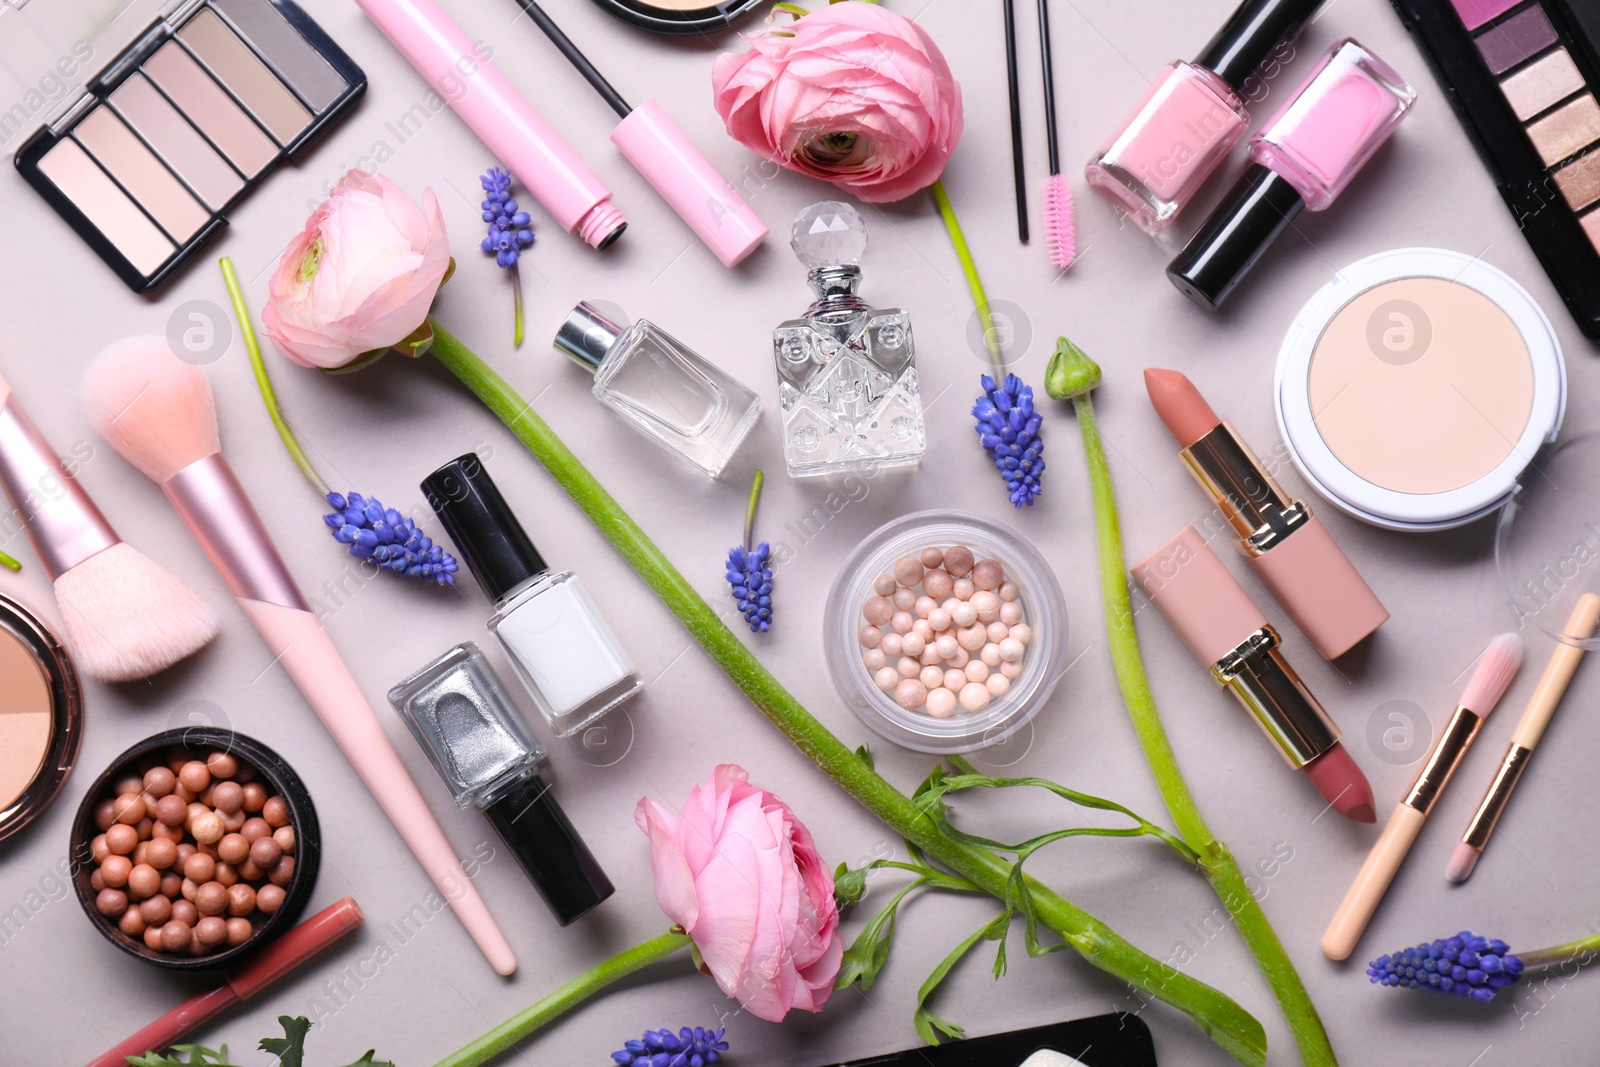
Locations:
{"points": [[1303, 158], [1191, 116]]}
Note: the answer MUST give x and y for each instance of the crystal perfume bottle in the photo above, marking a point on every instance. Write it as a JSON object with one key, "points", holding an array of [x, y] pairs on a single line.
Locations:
{"points": [[847, 371], [673, 396]]}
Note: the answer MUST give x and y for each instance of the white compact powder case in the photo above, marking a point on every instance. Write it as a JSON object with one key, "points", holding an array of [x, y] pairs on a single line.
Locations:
{"points": [[1416, 387]]}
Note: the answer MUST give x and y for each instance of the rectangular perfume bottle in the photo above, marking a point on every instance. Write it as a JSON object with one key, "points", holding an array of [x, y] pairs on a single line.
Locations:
{"points": [[671, 394]]}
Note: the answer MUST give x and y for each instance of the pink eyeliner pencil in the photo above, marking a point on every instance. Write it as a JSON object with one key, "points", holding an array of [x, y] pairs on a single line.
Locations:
{"points": [[158, 412]]}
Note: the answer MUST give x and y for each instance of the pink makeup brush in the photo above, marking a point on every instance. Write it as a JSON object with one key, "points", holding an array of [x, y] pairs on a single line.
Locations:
{"points": [[158, 412], [126, 617], [1059, 226], [1496, 667]]}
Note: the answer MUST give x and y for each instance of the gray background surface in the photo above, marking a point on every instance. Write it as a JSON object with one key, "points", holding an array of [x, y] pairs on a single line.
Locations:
{"points": [[65, 994]]}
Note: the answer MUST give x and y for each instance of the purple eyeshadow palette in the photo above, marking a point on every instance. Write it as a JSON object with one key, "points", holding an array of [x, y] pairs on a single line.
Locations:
{"points": [[1524, 79]]}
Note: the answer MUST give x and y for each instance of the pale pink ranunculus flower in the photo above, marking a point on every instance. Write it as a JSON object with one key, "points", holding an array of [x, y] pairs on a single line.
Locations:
{"points": [[743, 877], [859, 96], [360, 277]]}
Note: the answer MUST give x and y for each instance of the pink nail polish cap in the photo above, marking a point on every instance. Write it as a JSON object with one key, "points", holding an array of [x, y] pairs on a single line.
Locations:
{"points": [[501, 117], [701, 196]]}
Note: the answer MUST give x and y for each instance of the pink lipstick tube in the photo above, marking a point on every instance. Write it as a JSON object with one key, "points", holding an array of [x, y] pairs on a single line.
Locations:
{"points": [[500, 116], [1228, 635], [1288, 548]]}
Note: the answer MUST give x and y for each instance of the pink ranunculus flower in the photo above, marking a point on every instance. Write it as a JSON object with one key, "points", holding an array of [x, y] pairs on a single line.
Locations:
{"points": [[859, 96], [743, 877], [360, 277]]}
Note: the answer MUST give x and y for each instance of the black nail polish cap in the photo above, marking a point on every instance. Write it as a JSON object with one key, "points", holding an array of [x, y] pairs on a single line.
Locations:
{"points": [[1222, 251], [537, 831], [487, 535], [1250, 35]]}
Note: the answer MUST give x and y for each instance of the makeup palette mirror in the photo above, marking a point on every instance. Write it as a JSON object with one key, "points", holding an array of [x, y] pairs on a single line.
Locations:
{"points": [[41, 717], [148, 154]]}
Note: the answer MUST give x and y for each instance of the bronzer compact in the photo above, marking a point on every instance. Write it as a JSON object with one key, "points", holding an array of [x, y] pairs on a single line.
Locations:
{"points": [[1416, 388], [146, 156], [41, 717]]}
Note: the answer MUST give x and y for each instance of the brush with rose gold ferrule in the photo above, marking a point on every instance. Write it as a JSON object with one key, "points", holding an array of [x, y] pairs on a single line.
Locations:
{"points": [[126, 617], [1228, 635], [1530, 728], [1495, 669], [158, 411], [1288, 548]]}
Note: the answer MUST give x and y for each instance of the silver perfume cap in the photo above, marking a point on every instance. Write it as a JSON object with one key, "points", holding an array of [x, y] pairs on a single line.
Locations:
{"points": [[588, 335]]}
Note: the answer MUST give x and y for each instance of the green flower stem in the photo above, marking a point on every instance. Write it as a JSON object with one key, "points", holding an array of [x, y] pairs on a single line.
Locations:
{"points": [[1072, 375], [991, 338], [1546, 957], [569, 996], [263, 383], [1224, 1021], [9, 563], [750, 510], [516, 303]]}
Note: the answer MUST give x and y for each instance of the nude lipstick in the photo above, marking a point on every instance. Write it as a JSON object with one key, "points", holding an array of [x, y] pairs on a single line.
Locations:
{"points": [[1288, 548], [1229, 636]]}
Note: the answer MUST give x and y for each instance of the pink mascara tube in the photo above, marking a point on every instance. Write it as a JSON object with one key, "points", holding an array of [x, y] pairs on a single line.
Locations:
{"points": [[501, 117]]}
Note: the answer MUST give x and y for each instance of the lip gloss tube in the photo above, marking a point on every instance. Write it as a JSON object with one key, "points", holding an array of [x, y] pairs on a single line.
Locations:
{"points": [[1230, 637], [501, 117], [1285, 544]]}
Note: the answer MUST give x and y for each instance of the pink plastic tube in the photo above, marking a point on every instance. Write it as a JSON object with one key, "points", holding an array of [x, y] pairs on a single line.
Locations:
{"points": [[500, 116], [703, 198]]}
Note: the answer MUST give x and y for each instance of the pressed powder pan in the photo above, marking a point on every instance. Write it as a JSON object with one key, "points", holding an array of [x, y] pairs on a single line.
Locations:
{"points": [[41, 717]]}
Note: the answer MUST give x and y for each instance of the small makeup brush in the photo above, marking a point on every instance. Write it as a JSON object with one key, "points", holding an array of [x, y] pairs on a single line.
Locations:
{"points": [[126, 617], [1496, 667], [1535, 717], [1059, 225], [159, 413]]}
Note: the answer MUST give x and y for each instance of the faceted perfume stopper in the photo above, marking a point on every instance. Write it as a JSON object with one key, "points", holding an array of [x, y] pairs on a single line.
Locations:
{"points": [[829, 233]]}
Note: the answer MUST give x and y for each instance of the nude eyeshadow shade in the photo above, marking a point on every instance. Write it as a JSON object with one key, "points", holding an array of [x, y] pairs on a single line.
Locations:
{"points": [[1523, 77], [41, 717], [193, 115], [1416, 387]]}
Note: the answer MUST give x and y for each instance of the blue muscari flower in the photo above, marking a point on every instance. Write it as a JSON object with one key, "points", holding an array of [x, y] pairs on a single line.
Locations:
{"points": [[1462, 966], [1008, 428], [509, 229], [750, 574], [388, 538], [663, 1048]]}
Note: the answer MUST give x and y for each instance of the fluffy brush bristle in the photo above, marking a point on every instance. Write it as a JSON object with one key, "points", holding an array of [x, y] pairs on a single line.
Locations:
{"points": [[151, 406], [1496, 667], [1059, 225], [127, 617]]}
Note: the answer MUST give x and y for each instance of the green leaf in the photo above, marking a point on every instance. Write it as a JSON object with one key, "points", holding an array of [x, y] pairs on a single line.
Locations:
{"points": [[367, 1060], [865, 755], [929, 1025], [870, 950], [997, 931], [849, 886], [197, 1054], [291, 1047]]}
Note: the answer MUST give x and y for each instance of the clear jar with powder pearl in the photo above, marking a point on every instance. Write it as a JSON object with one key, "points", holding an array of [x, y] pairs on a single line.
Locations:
{"points": [[983, 697]]}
